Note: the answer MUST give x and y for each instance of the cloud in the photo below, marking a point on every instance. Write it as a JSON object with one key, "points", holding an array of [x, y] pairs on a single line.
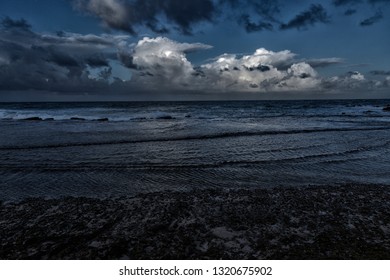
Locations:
{"points": [[268, 10], [338, 3], [315, 14], [161, 60], [350, 12], [380, 73], [352, 80], [113, 13], [373, 19], [75, 63], [378, 1], [254, 27], [345, 2], [160, 64], [61, 62], [253, 15], [164, 16], [127, 15], [9, 23], [324, 62]]}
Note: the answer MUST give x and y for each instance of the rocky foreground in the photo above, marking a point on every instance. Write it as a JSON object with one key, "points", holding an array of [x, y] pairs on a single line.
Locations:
{"points": [[344, 222]]}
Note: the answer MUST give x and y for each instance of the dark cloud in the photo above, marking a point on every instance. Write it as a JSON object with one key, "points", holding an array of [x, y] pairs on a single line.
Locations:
{"points": [[261, 68], [378, 1], [253, 15], [61, 59], [266, 9], [127, 60], [157, 27], [254, 27], [166, 16], [380, 73], [350, 12], [127, 15], [315, 14], [33, 61], [9, 23], [345, 2], [160, 16], [184, 15], [114, 13], [371, 20], [338, 3], [324, 62], [97, 61]]}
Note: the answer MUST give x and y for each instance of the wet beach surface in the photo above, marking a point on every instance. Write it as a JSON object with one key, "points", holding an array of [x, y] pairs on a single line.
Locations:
{"points": [[322, 222]]}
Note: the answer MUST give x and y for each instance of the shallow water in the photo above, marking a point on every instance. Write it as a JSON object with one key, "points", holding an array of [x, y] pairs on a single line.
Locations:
{"points": [[146, 147]]}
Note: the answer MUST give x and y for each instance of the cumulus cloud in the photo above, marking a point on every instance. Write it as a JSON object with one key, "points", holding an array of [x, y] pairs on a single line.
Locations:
{"points": [[315, 14], [255, 72], [163, 61], [160, 62]]}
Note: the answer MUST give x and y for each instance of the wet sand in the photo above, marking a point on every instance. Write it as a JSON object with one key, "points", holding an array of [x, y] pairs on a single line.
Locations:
{"points": [[328, 222]]}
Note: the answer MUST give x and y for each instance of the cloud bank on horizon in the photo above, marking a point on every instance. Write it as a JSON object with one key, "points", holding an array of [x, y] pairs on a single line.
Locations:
{"points": [[72, 63]]}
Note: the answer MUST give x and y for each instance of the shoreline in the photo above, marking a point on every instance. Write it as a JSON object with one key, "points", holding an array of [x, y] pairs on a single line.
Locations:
{"points": [[315, 222]]}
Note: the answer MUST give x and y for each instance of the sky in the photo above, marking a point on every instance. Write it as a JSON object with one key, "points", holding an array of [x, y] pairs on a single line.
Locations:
{"points": [[89, 50]]}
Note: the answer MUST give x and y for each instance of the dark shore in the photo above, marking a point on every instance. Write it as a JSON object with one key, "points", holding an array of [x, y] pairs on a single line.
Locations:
{"points": [[339, 222]]}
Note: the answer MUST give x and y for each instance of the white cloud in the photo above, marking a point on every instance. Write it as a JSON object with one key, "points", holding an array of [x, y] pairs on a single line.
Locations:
{"points": [[263, 56], [163, 63], [302, 70], [357, 76]]}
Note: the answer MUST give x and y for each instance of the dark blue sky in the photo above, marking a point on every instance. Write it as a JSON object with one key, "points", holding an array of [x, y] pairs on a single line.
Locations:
{"points": [[205, 49]]}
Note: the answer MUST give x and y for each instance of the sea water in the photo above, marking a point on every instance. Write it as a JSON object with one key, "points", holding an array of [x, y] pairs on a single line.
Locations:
{"points": [[126, 148]]}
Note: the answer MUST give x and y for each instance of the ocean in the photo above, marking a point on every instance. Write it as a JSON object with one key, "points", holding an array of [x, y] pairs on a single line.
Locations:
{"points": [[126, 148]]}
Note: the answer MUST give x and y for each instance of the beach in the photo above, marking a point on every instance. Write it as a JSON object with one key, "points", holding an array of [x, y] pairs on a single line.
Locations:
{"points": [[314, 222]]}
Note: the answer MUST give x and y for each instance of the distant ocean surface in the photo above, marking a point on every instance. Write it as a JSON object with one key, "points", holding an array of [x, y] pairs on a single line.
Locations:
{"points": [[114, 149]]}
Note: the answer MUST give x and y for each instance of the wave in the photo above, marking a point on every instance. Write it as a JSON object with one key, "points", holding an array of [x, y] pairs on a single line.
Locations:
{"points": [[85, 118], [90, 115], [195, 137]]}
